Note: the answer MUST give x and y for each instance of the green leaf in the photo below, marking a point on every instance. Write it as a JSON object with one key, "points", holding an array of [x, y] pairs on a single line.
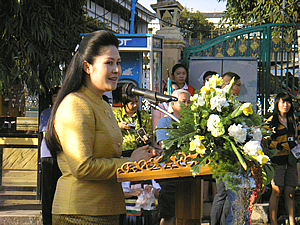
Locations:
{"points": [[196, 169], [238, 154], [268, 171]]}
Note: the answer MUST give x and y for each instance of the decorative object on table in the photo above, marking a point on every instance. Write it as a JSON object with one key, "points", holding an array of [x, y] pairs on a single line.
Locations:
{"points": [[177, 166], [226, 134]]}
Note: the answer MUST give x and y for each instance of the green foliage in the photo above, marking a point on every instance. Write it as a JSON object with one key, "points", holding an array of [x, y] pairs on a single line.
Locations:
{"points": [[94, 24], [37, 40], [268, 172], [254, 12], [193, 24], [181, 133]]}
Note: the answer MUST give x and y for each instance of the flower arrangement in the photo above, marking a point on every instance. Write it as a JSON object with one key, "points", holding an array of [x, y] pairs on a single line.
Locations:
{"points": [[224, 133]]}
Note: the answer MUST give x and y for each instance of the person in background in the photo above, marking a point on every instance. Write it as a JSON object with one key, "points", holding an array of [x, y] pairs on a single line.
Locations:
{"points": [[84, 134], [208, 74], [135, 124], [179, 75], [166, 198], [175, 87], [156, 115], [49, 167], [236, 88], [130, 120], [284, 139], [221, 208], [140, 202]]}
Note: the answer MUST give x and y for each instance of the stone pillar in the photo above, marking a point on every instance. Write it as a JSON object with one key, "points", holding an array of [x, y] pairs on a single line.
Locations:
{"points": [[168, 11]]}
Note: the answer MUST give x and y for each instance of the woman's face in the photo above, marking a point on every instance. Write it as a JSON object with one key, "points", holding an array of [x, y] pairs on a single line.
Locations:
{"points": [[105, 71], [284, 106], [132, 106], [180, 75]]}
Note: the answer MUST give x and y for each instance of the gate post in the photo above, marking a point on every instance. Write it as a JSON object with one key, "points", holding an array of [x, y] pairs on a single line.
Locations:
{"points": [[169, 13]]}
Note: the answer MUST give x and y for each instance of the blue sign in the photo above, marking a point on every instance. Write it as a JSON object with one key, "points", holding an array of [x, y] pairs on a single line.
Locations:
{"points": [[132, 42]]}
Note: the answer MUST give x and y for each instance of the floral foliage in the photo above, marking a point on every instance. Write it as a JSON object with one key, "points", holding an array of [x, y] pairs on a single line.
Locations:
{"points": [[225, 133]]}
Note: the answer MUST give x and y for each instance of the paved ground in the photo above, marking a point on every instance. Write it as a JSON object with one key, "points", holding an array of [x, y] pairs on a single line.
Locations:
{"points": [[25, 214], [31, 214]]}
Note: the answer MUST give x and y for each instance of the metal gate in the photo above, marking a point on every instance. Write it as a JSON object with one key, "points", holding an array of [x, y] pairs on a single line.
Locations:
{"points": [[276, 48]]}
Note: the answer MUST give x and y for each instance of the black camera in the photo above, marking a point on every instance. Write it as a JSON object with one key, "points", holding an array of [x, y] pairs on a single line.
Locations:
{"points": [[143, 137]]}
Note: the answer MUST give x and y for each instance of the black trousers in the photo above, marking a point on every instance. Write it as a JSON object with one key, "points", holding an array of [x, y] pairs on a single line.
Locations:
{"points": [[220, 207], [50, 175]]}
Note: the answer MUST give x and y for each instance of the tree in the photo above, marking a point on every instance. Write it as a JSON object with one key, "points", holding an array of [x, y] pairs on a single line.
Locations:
{"points": [[254, 12], [37, 40], [194, 24]]}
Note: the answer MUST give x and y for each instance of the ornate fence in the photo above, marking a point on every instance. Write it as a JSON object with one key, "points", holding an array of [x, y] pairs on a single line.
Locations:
{"points": [[276, 49]]}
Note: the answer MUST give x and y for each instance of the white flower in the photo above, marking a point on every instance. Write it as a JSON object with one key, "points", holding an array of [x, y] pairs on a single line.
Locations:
{"points": [[198, 100], [256, 134], [201, 101], [220, 92], [225, 89], [213, 118], [238, 132], [218, 102], [253, 148], [194, 97], [215, 126]]}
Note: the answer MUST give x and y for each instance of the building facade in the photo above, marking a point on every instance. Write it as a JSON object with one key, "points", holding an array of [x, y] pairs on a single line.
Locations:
{"points": [[116, 14]]}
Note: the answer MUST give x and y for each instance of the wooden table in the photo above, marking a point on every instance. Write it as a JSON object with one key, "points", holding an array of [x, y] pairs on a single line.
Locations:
{"points": [[189, 189]]}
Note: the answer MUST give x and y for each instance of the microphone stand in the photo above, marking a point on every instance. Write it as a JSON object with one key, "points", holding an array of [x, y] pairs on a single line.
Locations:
{"points": [[163, 111]]}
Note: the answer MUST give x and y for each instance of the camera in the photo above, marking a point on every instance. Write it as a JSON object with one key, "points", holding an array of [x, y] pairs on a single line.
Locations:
{"points": [[143, 137], [131, 125]]}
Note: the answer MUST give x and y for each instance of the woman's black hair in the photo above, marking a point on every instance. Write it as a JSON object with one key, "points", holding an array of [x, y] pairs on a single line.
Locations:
{"points": [[232, 75], [209, 73], [290, 114], [91, 46], [176, 66]]}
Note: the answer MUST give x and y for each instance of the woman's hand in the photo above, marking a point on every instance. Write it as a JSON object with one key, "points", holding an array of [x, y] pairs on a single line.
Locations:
{"points": [[136, 192], [146, 152], [123, 125], [133, 192]]}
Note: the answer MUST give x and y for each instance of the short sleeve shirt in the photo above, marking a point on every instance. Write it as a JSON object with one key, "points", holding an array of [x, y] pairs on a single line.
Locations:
{"points": [[161, 134]]}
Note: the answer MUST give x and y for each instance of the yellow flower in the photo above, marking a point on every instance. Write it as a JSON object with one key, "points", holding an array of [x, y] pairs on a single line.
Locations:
{"points": [[262, 159], [247, 108], [206, 89], [201, 149], [196, 145], [215, 81]]}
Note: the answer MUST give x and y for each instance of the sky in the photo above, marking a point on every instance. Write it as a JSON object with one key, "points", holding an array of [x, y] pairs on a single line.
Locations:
{"points": [[201, 5]]}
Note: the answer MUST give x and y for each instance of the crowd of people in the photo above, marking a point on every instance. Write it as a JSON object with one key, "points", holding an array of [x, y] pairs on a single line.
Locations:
{"points": [[88, 141]]}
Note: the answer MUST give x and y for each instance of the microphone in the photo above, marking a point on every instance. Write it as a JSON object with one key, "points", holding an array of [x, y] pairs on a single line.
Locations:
{"points": [[131, 90]]}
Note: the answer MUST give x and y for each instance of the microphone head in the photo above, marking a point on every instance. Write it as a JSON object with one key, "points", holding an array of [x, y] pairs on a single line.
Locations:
{"points": [[127, 89]]}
